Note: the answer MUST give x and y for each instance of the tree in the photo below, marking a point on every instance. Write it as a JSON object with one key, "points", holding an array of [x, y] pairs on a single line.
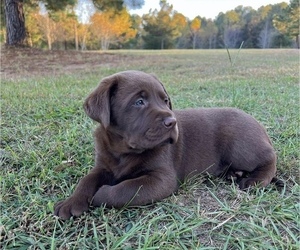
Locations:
{"points": [[258, 30], [118, 5], [15, 20], [157, 26], [195, 28], [266, 33], [179, 21], [265, 36], [83, 35], [2, 23], [162, 27], [233, 29], [66, 27], [47, 28], [288, 22], [135, 42], [210, 31], [34, 35], [112, 27]]}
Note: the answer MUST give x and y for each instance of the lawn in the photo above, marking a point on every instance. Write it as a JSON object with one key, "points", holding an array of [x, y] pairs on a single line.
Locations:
{"points": [[47, 146]]}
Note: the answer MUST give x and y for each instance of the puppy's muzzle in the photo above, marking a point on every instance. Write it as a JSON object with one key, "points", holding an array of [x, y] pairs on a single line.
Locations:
{"points": [[169, 122]]}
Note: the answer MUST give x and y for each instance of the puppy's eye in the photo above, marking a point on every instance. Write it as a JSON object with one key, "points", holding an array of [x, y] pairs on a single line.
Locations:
{"points": [[139, 102]]}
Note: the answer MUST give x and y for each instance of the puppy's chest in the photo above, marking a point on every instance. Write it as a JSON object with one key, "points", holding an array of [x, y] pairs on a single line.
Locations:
{"points": [[126, 167]]}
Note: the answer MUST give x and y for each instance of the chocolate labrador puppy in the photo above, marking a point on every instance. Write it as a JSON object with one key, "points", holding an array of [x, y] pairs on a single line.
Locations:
{"points": [[144, 149]]}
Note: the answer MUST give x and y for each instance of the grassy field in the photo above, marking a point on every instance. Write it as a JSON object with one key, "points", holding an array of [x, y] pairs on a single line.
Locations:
{"points": [[47, 146]]}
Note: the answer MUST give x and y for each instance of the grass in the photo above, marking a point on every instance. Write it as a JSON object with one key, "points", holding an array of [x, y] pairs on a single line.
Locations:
{"points": [[47, 145]]}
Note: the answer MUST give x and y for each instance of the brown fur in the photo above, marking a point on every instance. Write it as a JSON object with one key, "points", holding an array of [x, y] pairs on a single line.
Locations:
{"points": [[144, 149]]}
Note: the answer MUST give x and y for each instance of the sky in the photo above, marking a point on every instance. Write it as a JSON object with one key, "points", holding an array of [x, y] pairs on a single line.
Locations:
{"points": [[204, 8]]}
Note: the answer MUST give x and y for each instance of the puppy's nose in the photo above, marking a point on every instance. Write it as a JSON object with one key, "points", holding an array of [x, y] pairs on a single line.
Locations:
{"points": [[169, 122]]}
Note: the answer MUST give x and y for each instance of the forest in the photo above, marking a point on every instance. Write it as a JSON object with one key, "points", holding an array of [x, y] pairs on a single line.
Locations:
{"points": [[103, 24]]}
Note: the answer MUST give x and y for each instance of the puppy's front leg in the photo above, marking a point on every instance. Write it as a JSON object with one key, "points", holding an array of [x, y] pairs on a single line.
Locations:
{"points": [[80, 200], [139, 191]]}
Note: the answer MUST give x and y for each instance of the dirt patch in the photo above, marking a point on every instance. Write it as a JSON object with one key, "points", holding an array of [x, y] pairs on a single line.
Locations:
{"points": [[17, 63]]}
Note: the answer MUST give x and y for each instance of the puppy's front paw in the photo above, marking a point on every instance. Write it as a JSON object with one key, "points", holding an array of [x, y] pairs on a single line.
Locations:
{"points": [[73, 206]]}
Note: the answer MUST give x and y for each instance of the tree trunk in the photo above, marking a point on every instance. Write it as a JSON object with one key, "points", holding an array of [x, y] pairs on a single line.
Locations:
{"points": [[194, 40], [49, 33], [15, 22], [210, 39], [297, 41], [83, 43], [30, 43], [76, 36]]}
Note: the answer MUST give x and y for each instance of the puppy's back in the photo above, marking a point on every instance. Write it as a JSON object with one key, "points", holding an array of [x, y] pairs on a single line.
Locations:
{"points": [[210, 138]]}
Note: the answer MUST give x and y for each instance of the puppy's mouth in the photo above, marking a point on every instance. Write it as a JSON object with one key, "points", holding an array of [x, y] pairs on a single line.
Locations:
{"points": [[137, 149], [169, 141], [151, 143]]}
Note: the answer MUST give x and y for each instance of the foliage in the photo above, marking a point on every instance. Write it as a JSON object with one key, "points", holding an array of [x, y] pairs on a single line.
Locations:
{"points": [[253, 27], [118, 5], [54, 5], [34, 34], [288, 21], [58, 27], [162, 27], [270, 26], [66, 27], [15, 18], [195, 26], [112, 27]]}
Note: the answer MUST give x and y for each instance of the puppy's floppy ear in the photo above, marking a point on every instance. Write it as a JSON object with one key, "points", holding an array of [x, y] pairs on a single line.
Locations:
{"points": [[170, 103], [97, 104]]}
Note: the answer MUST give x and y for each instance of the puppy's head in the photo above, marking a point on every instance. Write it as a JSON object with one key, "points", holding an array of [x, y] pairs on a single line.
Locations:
{"points": [[136, 106]]}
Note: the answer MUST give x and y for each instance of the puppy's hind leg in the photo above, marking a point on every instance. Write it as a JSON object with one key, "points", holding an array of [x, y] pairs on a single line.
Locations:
{"points": [[262, 175]]}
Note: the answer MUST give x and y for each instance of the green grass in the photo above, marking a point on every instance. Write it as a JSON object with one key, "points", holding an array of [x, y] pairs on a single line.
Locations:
{"points": [[47, 145]]}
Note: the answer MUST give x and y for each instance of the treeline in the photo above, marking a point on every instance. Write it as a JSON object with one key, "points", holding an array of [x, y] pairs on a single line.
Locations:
{"points": [[271, 26]]}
